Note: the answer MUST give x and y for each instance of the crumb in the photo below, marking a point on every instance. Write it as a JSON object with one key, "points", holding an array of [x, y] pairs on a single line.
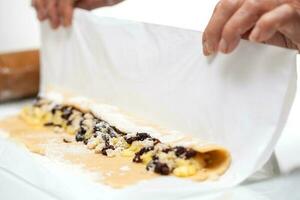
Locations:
{"points": [[124, 168], [108, 174], [67, 141]]}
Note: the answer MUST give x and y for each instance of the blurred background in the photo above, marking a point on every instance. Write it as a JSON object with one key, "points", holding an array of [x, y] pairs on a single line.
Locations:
{"points": [[20, 28]]}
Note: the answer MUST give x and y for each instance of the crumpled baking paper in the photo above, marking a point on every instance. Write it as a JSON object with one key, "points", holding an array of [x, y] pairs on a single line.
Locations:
{"points": [[240, 101]]}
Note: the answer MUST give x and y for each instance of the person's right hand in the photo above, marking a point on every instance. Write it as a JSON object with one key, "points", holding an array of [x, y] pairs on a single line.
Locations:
{"points": [[60, 12], [275, 22]]}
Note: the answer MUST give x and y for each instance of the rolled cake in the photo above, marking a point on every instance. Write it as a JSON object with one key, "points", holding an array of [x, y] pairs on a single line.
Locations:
{"points": [[108, 131]]}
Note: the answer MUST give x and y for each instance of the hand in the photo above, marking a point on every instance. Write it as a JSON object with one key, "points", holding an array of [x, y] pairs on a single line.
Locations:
{"points": [[275, 22], [60, 12]]}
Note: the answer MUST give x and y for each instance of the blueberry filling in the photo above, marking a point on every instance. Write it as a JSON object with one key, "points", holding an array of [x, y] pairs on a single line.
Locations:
{"points": [[89, 128], [138, 137], [137, 158], [184, 152]]}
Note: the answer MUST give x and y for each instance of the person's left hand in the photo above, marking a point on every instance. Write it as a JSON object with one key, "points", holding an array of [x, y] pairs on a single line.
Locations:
{"points": [[60, 12]]}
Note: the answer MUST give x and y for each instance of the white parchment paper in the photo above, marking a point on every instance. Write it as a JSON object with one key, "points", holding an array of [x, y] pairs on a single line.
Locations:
{"points": [[158, 73]]}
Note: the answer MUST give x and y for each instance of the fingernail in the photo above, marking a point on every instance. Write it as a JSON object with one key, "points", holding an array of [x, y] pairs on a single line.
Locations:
{"points": [[233, 45], [223, 46], [206, 49], [210, 49], [255, 35], [67, 22], [55, 25], [64, 21], [42, 11], [40, 15], [205, 52]]}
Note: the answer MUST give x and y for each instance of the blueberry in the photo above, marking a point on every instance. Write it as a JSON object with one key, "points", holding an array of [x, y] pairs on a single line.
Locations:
{"points": [[167, 150], [142, 136], [81, 131], [118, 131], [55, 108], [179, 151], [162, 168], [79, 137], [190, 154], [66, 112], [184, 152], [137, 158], [103, 151], [106, 140], [138, 137], [85, 141]]}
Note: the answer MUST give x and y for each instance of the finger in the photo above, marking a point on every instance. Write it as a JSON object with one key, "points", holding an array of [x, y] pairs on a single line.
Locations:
{"points": [[242, 21], [65, 11], [212, 34], [279, 40], [89, 5], [284, 19], [52, 10], [113, 2], [40, 7]]}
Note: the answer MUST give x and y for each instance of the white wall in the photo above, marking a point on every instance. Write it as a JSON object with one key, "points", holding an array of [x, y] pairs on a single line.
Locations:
{"points": [[190, 14], [19, 27]]}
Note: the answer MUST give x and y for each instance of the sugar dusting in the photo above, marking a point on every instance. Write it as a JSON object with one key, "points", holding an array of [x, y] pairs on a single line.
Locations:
{"points": [[74, 156]]}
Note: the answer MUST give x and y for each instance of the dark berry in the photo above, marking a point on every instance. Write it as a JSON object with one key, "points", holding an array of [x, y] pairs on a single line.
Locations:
{"points": [[66, 112], [167, 150], [130, 140], [190, 154], [142, 136], [103, 151], [96, 128], [162, 168], [137, 158], [69, 122], [81, 131], [79, 137], [111, 132], [55, 108], [155, 158], [179, 151], [155, 141], [138, 137], [81, 122], [118, 131], [106, 140], [184, 152], [85, 141]]}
